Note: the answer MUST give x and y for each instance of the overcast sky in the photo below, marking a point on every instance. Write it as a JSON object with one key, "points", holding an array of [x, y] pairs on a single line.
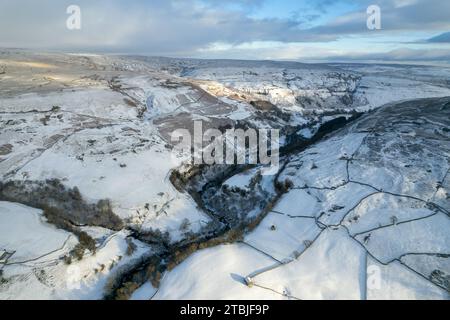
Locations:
{"points": [[244, 29]]}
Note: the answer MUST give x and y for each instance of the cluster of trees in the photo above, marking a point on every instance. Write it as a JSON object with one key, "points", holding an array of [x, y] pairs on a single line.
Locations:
{"points": [[283, 187], [67, 204], [64, 208]]}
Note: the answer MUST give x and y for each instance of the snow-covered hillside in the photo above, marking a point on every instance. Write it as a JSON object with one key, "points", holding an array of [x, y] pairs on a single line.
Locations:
{"points": [[94, 202], [376, 204]]}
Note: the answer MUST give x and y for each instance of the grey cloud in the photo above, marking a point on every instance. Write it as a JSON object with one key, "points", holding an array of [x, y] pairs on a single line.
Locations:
{"points": [[421, 15], [181, 27], [399, 55], [156, 26]]}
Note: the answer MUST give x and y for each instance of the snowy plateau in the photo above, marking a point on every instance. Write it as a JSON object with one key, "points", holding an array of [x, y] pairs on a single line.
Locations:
{"points": [[95, 203]]}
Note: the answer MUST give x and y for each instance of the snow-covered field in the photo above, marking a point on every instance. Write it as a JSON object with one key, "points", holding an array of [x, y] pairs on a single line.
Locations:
{"points": [[372, 196], [35, 269]]}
